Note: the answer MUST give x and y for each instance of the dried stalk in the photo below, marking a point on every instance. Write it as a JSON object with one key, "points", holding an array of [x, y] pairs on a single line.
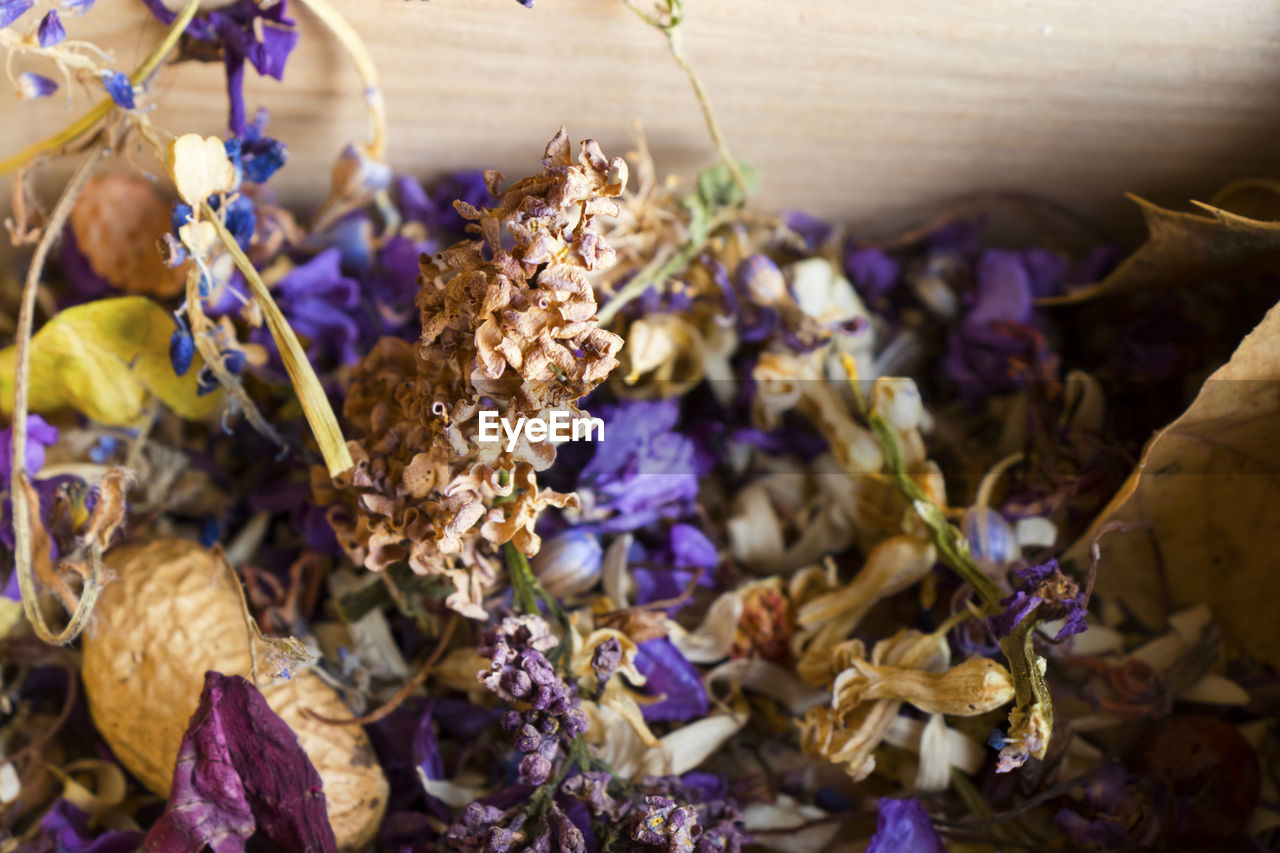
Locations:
{"points": [[365, 67], [25, 500], [315, 404]]}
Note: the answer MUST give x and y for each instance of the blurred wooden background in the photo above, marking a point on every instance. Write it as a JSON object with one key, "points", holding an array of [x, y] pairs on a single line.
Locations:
{"points": [[864, 110]]}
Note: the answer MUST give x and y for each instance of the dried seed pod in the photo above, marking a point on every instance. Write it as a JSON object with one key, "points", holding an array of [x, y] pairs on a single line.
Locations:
{"points": [[170, 616]]}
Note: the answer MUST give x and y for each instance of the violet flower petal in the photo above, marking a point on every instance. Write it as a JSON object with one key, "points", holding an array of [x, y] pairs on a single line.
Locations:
{"points": [[241, 772], [40, 434], [873, 272], [51, 31], [903, 826], [1004, 289], [12, 10], [67, 827], [77, 7], [120, 88], [668, 673], [32, 86]]}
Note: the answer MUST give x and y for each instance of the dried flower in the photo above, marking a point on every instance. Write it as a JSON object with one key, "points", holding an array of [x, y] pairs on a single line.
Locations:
{"points": [[569, 564], [903, 826], [848, 733], [1048, 593], [516, 332], [974, 687], [662, 823], [261, 34]]}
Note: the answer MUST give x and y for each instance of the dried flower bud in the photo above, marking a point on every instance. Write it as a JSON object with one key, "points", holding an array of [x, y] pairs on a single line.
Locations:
{"points": [[898, 401], [974, 687], [569, 564]]}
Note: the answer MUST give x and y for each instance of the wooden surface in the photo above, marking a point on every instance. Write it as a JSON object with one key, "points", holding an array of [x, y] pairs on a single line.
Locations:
{"points": [[865, 110]]}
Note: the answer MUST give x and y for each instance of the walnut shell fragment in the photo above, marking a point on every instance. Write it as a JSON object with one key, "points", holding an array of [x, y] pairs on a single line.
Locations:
{"points": [[170, 616]]}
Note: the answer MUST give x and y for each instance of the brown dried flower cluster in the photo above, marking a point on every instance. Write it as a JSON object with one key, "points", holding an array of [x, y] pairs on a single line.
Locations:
{"points": [[511, 329]]}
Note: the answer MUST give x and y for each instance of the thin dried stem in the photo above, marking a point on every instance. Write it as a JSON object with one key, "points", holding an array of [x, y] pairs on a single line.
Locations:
{"points": [[671, 29], [25, 500], [365, 67], [315, 404], [201, 333], [404, 692]]}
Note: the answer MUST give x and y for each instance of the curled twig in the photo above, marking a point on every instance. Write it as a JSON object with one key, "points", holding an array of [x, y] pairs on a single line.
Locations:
{"points": [[26, 503]]}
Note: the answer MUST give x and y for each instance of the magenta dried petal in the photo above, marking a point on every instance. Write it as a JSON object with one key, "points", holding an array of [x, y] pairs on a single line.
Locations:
{"points": [[241, 773]]}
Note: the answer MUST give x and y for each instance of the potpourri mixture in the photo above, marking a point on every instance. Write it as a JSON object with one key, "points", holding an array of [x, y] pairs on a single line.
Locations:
{"points": [[850, 553]]}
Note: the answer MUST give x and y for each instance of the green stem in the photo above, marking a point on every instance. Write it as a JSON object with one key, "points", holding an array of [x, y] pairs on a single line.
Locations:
{"points": [[656, 272], [523, 590], [671, 29], [1031, 691]]}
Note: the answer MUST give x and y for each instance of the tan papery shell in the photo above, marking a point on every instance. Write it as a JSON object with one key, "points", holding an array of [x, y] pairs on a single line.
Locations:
{"points": [[170, 615]]}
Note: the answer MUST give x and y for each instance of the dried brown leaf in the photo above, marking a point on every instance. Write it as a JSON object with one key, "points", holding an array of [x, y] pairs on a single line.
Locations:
{"points": [[1209, 487], [1183, 247]]}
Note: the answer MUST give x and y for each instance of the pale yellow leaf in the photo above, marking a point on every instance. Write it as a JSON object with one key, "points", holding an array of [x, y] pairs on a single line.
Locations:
{"points": [[105, 359]]}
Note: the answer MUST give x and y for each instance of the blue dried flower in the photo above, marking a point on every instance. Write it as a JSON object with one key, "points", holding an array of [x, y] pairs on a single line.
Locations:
{"points": [[51, 31], [182, 351], [77, 7], [206, 382], [120, 88], [32, 86], [234, 362], [262, 157], [12, 10], [241, 220]]}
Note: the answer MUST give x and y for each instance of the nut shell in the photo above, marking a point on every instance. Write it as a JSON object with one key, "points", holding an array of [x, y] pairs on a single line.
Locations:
{"points": [[170, 615]]}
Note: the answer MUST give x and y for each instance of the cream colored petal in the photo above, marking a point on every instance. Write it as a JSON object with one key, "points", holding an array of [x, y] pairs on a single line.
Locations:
{"points": [[687, 747], [713, 639], [777, 682]]}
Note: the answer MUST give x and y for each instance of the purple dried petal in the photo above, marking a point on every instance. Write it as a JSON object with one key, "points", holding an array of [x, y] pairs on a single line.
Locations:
{"points": [[12, 10], [873, 272], [669, 674], [241, 773], [40, 434], [903, 826], [51, 31], [120, 88], [32, 86], [77, 7], [68, 828]]}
